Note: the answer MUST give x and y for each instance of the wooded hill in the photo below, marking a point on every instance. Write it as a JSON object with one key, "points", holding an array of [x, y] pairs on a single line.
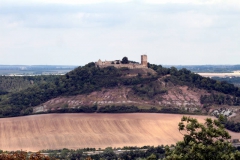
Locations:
{"points": [[14, 84], [20, 94]]}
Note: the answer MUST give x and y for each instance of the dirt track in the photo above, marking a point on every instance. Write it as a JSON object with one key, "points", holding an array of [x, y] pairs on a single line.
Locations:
{"points": [[74, 131]]}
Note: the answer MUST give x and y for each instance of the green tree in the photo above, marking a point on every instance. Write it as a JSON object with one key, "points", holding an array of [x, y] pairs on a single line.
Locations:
{"points": [[75, 155], [152, 157], [125, 60], [208, 141], [108, 154]]}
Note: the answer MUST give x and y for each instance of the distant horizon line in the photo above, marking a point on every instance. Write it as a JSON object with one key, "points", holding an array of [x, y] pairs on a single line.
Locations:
{"points": [[72, 65]]}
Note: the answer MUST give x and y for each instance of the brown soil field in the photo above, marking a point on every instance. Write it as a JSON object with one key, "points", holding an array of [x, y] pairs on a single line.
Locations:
{"points": [[57, 131]]}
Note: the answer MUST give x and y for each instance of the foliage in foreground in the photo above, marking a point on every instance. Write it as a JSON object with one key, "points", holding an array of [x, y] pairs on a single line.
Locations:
{"points": [[203, 141], [21, 155]]}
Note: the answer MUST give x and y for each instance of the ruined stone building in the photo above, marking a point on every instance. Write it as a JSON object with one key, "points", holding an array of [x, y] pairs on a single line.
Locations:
{"points": [[144, 60], [118, 64]]}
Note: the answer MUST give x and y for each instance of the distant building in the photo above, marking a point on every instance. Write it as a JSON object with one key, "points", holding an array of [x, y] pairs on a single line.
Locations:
{"points": [[118, 64]]}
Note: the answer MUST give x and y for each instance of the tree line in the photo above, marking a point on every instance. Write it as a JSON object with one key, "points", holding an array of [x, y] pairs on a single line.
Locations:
{"points": [[109, 153], [219, 99], [10, 84]]}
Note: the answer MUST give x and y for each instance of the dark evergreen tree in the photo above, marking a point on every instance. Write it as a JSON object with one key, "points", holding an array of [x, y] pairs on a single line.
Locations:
{"points": [[125, 60]]}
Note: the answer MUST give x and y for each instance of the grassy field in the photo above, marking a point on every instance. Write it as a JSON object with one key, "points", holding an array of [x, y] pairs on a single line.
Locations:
{"points": [[56, 131]]}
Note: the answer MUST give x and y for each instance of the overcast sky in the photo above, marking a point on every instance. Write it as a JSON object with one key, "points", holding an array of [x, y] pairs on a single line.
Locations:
{"points": [[75, 32]]}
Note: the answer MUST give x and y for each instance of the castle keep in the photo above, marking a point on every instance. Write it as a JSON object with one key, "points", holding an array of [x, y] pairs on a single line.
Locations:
{"points": [[144, 60], [118, 63]]}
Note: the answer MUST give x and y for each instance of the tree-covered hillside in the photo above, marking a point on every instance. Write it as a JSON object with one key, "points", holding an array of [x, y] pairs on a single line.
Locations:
{"points": [[186, 77], [220, 92], [14, 84], [82, 80], [86, 79]]}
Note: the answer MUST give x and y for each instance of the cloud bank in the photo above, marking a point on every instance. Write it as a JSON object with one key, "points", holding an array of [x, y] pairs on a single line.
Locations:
{"points": [[77, 32]]}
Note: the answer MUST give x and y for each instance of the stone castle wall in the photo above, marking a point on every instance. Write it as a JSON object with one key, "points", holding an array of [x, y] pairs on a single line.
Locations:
{"points": [[118, 64], [130, 66]]}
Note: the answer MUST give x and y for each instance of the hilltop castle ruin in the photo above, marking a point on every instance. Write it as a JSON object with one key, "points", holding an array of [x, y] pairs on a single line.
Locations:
{"points": [[118, 63]]}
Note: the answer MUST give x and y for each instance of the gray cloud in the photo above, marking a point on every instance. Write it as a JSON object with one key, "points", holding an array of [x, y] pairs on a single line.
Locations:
{"points": [[168, 33], [110, 14]]}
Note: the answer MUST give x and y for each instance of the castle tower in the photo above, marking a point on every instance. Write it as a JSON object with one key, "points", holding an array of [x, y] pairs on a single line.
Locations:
{"points": [[144, 60]]}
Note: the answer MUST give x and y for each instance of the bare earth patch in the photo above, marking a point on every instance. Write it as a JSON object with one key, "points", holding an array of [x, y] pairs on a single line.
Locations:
{"points": [[179, 96], [56, 131]]}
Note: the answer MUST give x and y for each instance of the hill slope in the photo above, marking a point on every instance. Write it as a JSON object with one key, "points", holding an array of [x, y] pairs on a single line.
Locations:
{"points": [[150, 88], [56, 131]]}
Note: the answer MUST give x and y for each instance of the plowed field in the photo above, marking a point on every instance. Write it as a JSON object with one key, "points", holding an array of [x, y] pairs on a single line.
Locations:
{"points": [[56, 131]]}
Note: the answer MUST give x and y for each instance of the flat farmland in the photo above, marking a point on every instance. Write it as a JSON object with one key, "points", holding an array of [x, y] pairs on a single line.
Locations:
{"points": [[235, 73], [57, 131]]}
